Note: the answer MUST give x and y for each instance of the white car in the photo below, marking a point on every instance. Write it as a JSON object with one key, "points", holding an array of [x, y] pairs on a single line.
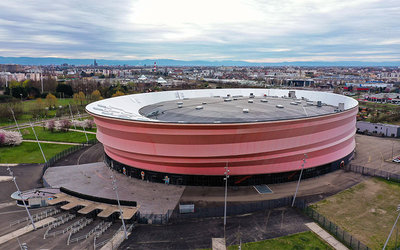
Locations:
{"points": [[396, 160]]}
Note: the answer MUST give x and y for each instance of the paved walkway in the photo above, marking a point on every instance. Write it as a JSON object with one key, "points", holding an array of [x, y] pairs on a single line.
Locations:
{"points": [[24, 230], [54, 142], [116, 241], [78, 130], [8, 164], [326, 236]]}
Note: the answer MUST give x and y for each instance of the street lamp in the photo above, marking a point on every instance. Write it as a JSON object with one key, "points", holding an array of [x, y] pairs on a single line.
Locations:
{"points": [[115, 188], [298, 183], [226, 173], [20, 195], [391, 231]]}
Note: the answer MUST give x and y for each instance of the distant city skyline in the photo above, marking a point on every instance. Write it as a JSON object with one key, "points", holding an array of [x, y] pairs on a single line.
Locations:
{"points": [[253, 31]]}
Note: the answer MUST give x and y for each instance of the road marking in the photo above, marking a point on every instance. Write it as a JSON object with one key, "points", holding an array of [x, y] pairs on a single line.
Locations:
{"points": [[7, 204], [266, 221], [283, 213], [5, 178], [11, 212]]}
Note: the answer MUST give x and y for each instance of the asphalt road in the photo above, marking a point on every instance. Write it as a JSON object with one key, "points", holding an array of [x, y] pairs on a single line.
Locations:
{"points": [[197, 234]]}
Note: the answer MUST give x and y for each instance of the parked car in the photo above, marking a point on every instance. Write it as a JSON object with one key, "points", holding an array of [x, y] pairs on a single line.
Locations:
{"points": [[397, 160]]}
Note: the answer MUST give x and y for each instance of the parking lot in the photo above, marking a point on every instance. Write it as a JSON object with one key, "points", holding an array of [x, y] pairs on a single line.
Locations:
{"points": [[377, 152]]}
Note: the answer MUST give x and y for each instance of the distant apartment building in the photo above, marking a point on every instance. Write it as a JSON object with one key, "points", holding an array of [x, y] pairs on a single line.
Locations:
{"points": [[379, 129]]}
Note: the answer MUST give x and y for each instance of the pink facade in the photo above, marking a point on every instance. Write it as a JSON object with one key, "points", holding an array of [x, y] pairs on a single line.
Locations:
{"points": [[249, 148]]}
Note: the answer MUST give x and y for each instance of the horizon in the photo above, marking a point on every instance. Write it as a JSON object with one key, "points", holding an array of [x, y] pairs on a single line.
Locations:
{"points": [[255, 31]]}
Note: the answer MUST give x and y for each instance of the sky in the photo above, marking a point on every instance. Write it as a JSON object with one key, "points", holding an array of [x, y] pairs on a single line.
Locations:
{"points": [[266, 31]]}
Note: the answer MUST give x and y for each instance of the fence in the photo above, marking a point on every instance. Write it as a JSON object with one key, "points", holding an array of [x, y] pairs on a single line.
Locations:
{"points": [[373, 172], [64, 153], [335, 230], [205, 212]]}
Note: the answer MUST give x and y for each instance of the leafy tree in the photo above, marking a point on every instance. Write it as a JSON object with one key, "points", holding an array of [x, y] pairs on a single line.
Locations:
{"points": [[118, 93], [96, 95], [65, 88], [79, 98], [51, 100]]}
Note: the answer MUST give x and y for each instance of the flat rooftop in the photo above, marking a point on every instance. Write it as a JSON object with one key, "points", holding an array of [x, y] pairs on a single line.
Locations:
{"points": [[234, 109]]}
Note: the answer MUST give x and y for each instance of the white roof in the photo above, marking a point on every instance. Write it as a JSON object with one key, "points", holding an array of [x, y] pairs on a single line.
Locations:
{"points": [[127, 107], [142, 77]]}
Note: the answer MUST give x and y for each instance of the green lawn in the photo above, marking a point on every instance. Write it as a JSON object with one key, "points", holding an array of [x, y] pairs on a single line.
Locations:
{"points": [[46, 135], [29, 152], [305, 240], [367, 211]]}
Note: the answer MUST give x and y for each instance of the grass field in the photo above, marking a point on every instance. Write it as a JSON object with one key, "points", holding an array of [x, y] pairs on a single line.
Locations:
{"points": [[367, 211], [46, 135], [305, 240], [29, 152]]}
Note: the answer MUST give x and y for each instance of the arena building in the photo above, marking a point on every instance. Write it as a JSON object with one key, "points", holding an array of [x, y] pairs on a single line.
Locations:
{"points": [[188, 137]]}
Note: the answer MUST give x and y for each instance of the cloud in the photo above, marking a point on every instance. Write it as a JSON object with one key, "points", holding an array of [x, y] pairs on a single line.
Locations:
{"points": [[252, 30]]}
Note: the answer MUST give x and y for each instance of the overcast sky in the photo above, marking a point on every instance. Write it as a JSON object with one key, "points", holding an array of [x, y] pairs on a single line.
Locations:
{"points": [[248, 30]]}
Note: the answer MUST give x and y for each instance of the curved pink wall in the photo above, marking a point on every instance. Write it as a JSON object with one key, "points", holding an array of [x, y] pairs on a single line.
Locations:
{"points": [[250, 148]]}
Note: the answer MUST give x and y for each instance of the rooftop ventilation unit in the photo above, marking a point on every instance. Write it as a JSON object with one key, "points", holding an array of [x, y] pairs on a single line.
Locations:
{"points": [[250, 101], [279, 106], [245, 110], [294, 103], [199, 107], [263, 100], [341, 106]]}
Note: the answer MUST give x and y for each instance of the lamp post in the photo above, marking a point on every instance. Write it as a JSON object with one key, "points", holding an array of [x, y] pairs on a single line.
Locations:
{"points": [[391, 231], [298, 182], [20, 195], [115, 188], [226, 173]]}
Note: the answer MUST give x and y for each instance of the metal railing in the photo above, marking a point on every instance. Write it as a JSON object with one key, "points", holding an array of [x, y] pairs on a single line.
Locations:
{"points": [[58, 222], [78, 228], [129, 229], [373, 172], [335, 230], [37, 217], [99, 228]]}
